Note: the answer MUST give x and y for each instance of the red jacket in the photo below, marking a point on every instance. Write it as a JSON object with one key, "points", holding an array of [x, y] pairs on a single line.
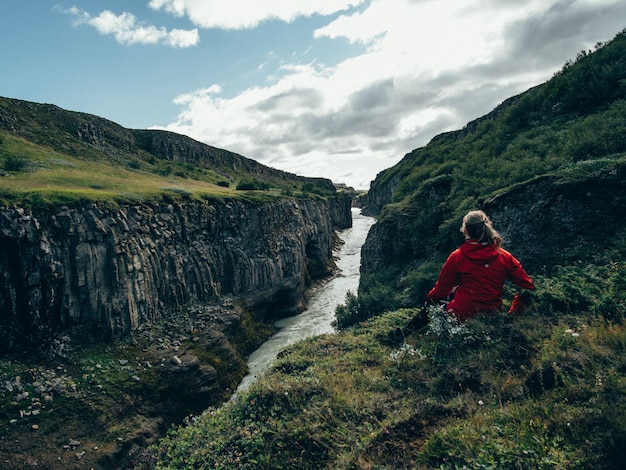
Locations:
{"points": [[478, 272]]}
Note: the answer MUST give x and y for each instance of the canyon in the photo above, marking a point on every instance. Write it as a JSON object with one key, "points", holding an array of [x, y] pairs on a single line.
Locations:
{"points": [[109, 271]]}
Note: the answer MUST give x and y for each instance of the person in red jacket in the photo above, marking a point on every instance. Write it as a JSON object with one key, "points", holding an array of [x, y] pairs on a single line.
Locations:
{"points": [[476, 271]]}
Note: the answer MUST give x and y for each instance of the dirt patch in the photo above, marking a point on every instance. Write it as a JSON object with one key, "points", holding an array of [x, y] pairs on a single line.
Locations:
{"points": [[398, 445]]}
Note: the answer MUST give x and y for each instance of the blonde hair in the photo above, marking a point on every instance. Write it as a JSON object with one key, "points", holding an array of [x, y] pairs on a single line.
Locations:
{"points": [[477, 226]]}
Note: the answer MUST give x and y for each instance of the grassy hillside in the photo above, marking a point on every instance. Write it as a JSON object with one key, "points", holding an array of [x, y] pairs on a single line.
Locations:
{"points": [[496, 393], [36, 175], [575, 116], [50, 156], [542, 391]]}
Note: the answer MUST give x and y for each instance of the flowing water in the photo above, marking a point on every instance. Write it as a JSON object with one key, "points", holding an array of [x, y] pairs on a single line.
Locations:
{"points": [[319, 315]]}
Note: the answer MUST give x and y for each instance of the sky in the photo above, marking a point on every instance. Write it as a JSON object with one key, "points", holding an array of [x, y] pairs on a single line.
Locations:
{"points": [[340, 89]]}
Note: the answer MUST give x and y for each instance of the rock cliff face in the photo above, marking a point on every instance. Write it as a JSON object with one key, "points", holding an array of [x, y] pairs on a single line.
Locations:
{"points": [[112, 270], [394, 240], [552, 219], [559, 220], [379, 195]]}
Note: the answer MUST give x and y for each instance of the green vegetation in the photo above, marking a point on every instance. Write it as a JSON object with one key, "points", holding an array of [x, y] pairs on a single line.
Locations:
{"points": [[545, 390], [539, 391], [570, 128], [252, 185], [542, 391], [53, 157], [37, 176]]}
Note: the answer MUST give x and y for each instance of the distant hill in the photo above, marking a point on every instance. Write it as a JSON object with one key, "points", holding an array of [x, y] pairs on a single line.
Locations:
{"points": [[51, 155]]}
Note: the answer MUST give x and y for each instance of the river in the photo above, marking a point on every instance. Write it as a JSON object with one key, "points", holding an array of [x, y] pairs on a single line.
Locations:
{"points": [[318, 317]]}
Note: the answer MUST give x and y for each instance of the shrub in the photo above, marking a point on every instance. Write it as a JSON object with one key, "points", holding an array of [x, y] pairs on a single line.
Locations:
{"points": [[312, 188], [15, 163], [252, 185], [348, 314], [377, 296]]}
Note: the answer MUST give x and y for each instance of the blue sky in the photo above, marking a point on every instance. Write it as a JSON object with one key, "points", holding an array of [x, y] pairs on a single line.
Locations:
{"points": [[336, 88]]}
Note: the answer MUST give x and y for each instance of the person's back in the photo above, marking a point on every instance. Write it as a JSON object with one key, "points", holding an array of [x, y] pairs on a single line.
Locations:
{"points": [[475, 272]]}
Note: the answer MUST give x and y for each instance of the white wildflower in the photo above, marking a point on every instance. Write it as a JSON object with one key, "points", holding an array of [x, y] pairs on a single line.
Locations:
{"points": [[406, 350]]}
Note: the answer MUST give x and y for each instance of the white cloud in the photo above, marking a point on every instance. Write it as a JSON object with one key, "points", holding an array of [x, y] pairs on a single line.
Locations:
{"points": [[242, 14], [430, 66], [128, 31]]}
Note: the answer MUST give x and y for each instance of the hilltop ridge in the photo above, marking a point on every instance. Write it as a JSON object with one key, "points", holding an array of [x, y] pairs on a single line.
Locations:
{"points": [[52, 146]]}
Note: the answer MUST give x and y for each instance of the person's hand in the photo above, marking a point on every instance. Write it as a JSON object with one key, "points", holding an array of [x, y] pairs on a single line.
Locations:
{"points": [[516, 306], [520, 303]]}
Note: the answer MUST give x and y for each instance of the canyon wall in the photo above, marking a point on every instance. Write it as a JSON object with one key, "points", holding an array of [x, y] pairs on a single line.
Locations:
{"points": [[548, 220], [110, 270]]}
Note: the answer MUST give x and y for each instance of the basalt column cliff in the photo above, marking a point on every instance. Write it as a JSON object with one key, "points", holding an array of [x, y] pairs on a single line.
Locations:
{"points": [[110, 270]]}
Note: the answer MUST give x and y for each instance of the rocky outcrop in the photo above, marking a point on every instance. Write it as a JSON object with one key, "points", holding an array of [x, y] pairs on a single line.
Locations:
{"points": [[396, 238], [562, 219], [111, 270], [552, 219], [379, 194]]}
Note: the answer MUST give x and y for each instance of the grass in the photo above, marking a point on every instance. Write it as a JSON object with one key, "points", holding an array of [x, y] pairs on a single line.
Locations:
{"points": [[37, 176], [58, 178], [546, 390]]}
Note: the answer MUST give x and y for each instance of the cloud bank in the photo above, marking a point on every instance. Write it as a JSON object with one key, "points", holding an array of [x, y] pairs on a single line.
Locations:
{"points": [[245, 14], [128, 31], [429, 67]]}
